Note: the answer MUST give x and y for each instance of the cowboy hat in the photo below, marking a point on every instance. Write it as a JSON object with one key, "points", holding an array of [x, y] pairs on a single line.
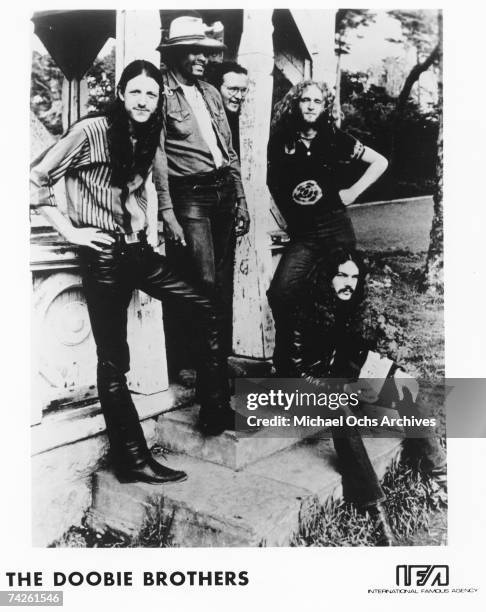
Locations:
{"points": [[190, 31]]}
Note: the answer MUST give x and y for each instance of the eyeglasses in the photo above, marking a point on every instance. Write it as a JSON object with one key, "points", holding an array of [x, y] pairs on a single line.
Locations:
{"points": [[242, 91]]}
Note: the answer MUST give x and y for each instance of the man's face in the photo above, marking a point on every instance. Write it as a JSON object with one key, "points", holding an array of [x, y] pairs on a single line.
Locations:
{"points": [[233, 91], [191, 62], [311, 104], [140, 97], [346, 279]]}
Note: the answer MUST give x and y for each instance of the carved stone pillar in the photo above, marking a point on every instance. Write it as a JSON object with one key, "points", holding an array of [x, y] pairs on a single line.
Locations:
{"points": [[252, 322]]}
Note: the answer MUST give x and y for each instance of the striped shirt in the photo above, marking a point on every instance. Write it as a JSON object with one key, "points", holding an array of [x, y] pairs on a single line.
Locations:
{"points": [[82, 157]]}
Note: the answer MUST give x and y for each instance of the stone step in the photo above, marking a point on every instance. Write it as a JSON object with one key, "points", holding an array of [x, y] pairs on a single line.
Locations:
{"points": [[263, 505], [177, 432]]}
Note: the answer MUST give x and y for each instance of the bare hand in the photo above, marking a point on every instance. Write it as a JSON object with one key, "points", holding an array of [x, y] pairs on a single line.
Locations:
{"points": [[173, 229], [364, 390], [90, 237], [242, 219], [347, 196], [153, 237]]}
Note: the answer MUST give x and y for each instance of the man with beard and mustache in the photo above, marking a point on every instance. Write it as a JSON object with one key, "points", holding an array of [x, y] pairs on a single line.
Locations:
{"points": [[198, 182], [307, 158], [105, 161], [334, 333]]}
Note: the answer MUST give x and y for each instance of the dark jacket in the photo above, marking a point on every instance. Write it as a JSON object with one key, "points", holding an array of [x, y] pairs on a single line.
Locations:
{"points": [[331, 339]]}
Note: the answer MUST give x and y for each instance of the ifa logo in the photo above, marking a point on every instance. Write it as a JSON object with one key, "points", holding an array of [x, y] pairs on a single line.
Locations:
{"points": [[422, 575]]}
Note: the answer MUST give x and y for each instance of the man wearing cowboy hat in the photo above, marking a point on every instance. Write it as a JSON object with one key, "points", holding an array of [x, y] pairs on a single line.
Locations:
{"points": [[197, 177]]}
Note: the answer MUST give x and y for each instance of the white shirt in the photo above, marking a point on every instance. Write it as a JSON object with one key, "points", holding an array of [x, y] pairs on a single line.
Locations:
{"points": [[203, 118]]}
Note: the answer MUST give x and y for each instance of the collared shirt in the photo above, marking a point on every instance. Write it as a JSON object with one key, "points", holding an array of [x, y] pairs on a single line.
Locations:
{"points": [[183, 150], [203, 118], [82, 157]]}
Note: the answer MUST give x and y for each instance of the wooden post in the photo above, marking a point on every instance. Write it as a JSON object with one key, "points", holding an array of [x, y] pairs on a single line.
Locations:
{"points": [[74, 101], [252, 322], [137, 37]]}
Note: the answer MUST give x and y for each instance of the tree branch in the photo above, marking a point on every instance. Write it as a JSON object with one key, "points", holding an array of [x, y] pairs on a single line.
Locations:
{"points": [[413, 76]]}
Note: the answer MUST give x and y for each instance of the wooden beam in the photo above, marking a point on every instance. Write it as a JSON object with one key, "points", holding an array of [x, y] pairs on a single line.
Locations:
{"points": [[74, 101], [252, 322], [137, 37]]}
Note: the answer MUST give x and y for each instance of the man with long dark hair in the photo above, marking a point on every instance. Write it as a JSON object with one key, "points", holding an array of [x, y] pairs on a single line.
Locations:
{"points": [[105, 161], [305, 154], [334, 334], [197, 177]]}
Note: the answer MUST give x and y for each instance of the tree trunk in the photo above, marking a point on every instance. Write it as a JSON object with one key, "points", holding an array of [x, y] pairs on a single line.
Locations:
{"points": [[433, 275], [336, 111], [413, 77]]}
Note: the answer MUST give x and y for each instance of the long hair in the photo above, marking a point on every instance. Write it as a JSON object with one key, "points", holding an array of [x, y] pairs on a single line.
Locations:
{"points": [[126, 160], [287, 118], [325, 307]]}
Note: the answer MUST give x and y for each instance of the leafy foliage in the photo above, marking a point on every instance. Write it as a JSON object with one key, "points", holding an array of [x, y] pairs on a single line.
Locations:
{"points": [[46, 88], [369, 113], [46, 92], [348, 20], [101, 82], [419, 28]]}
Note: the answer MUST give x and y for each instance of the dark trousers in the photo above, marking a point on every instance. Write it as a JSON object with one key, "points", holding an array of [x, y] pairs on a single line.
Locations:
{"points": [[109, 278], [289, 283], [360, 482], [206, 212]]}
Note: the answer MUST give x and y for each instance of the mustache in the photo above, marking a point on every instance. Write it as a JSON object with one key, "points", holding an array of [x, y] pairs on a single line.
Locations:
{"points": [[345, 289]]}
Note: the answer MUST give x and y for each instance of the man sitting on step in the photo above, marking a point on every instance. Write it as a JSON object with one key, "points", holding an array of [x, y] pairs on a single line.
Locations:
{"points": [[332, 339]]}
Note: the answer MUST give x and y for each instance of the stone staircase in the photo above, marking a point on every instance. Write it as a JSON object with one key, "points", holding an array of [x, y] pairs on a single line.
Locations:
{"points": [[241, 491]]}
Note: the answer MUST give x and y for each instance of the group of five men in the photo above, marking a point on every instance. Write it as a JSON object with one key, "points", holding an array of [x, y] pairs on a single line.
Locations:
{"points": [[185, 131]]}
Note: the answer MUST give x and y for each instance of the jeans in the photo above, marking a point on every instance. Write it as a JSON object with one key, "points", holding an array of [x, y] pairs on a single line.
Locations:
{"points": [[360, 481], [288, 285], [109, 278], [206, 213]]}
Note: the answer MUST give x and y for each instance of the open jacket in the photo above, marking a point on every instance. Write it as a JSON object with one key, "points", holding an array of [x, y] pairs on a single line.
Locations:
{"points": [[181, 143]]}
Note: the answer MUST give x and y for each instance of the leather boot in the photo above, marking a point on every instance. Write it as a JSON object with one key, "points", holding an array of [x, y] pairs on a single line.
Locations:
{"points": [[139, 466], [382, 529]]}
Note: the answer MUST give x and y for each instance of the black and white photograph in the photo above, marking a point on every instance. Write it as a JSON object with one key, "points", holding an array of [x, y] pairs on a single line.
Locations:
{"points": [[244, 304]]}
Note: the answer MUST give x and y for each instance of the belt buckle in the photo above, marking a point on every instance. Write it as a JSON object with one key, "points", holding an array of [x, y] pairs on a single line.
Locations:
{"points": [[132, 238]]}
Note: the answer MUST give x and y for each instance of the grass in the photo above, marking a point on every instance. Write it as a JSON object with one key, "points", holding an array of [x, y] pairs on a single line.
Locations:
{"points": [[412, 503], [412, 322], [156, 532]]}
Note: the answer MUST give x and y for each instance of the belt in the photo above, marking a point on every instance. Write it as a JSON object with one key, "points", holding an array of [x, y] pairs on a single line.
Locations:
{"points": [[133, 238], [202, 178]]}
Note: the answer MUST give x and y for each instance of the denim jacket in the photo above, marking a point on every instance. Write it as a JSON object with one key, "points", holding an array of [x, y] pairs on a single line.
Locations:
{"points": [[180, 140]]}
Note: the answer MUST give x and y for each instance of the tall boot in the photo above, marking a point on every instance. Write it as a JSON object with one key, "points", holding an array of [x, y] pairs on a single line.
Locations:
{"points": [[140, 466], [131, 457]]}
